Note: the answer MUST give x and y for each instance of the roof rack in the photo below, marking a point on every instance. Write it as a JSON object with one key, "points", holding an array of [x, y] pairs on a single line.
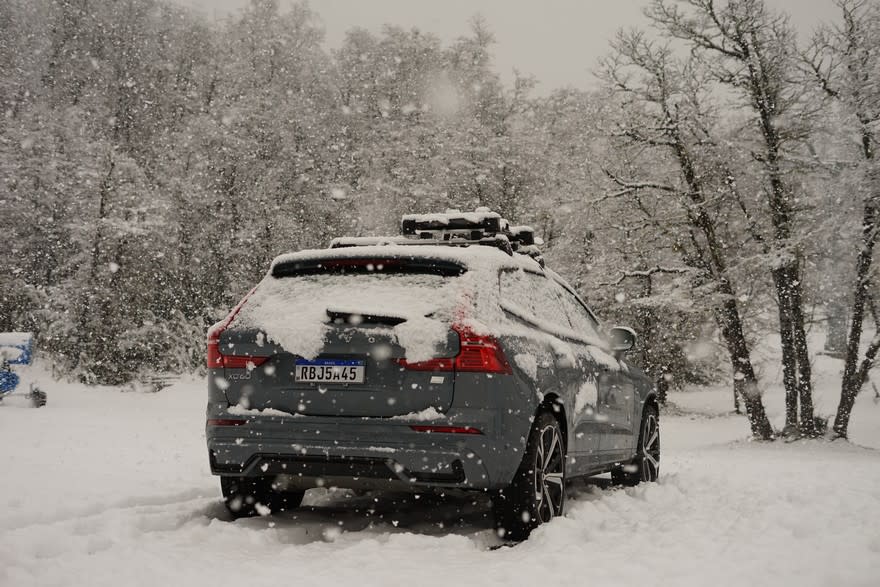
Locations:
{"points": [[457, 228], [367, 241]]}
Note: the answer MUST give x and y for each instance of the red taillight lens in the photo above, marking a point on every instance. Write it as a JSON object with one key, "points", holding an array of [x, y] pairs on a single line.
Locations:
{"points": [[215, 359], [218, 360], [242, 362], [478, 353], [446, 429]]}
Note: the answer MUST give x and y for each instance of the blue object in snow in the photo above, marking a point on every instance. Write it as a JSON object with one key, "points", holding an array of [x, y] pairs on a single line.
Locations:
{"points": [[8, 382], [16, 348]]}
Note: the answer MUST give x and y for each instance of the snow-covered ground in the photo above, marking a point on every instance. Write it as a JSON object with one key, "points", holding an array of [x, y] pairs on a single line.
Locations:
{"points": [[108, 488]]}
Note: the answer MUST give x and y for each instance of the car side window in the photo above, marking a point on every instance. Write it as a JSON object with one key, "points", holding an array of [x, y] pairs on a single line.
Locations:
{"points": [[536, 294], [581, 319]]}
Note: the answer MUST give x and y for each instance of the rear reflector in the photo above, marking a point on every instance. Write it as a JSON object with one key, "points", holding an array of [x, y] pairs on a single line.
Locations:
{"points": [[429, 365], [447, 429], [226, 422]]}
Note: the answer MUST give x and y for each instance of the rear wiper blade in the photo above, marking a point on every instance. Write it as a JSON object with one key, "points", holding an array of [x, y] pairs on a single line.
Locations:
{"points": [[355, 318]]}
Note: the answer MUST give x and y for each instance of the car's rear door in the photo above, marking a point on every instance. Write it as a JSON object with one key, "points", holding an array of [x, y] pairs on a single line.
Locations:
{"points": [[336, 334], [616, 400], [569, 373], [611, 392]]}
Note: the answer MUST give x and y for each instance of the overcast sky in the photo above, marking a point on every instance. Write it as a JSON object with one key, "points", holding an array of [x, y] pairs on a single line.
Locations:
{"points": [[557, 41]]}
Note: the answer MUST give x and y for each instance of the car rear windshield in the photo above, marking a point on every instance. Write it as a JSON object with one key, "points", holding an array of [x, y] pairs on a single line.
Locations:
{"points": [[369, 287], [388, 288], [393, 287]]}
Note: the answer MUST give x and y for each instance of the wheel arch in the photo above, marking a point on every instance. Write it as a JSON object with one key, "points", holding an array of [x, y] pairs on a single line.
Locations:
{"points": [[651, 400], [552, 404]]}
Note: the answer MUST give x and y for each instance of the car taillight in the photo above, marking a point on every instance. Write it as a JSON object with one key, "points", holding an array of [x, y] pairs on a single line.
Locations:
{"points": [[241, 361], [478, 353], [220, 360]]}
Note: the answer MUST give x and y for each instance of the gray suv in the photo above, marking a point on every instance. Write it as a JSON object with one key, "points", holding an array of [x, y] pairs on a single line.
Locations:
{"points": [[448, 357]]}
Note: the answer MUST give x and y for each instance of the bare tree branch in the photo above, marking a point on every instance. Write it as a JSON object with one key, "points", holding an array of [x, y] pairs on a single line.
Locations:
{"points": [[647, 273]]}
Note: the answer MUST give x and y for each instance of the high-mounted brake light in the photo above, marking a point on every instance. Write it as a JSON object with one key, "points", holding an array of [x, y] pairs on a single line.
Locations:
{"points": [[369, 264], [478, 353], [219, 360]]}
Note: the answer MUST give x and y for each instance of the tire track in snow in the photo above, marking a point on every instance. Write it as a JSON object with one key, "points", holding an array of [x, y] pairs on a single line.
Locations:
{"points": [[66, 513]]}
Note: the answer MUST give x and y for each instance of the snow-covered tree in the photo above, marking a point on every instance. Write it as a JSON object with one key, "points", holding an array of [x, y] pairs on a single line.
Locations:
{"points": [[844, 60], [751, 50], [668, 112]]}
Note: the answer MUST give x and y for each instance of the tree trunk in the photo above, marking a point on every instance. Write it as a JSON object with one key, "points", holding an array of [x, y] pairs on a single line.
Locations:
{"points": [[648, 330], [795, 353], [789, 357], [745, 382], [853, 381], [836, 335], [84, 335], [870, 357], [802, 351]]}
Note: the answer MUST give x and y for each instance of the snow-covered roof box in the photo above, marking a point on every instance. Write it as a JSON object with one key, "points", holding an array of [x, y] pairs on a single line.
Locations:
{"points": [[482, 226], [524, 235], [454, 223]]}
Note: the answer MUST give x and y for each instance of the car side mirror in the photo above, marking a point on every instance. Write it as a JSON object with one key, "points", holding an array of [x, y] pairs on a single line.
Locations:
{"points": [[623, 339]]}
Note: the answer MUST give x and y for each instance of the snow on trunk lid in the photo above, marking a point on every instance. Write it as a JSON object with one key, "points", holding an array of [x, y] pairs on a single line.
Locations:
{"points": [[368, 312]]}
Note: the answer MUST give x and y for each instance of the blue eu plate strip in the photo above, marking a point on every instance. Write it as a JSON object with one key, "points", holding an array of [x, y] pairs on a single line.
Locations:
{"points": [[331, 362]]}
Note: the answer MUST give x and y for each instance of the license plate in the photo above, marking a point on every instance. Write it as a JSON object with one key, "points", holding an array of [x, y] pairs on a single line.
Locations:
{"points": [[329, 371]]}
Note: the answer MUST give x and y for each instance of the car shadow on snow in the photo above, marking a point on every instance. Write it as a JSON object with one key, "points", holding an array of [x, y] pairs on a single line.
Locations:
{"points": [[327, 513]]}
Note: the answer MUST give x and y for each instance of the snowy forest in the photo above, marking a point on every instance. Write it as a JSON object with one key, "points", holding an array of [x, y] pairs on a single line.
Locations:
{"points": [[719, 185]]}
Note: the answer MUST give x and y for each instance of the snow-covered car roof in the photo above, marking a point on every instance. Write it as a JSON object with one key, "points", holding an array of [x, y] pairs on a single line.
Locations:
{"points": [[471, 257]]}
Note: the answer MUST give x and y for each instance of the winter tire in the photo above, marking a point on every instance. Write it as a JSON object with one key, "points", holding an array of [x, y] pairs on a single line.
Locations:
{"points": [[244, 496], [646, 464], [537, 493]]}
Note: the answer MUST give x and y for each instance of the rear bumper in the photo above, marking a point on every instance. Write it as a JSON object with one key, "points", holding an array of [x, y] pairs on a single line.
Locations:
{"points": [[366, 452]]}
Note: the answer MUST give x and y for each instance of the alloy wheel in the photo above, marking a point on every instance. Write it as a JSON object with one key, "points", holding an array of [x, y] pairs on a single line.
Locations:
{"points": [[650, 448], [549, 474]]}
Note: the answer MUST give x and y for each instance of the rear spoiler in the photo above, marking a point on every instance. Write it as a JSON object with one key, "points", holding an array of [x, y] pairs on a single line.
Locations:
{"points": [[367, 264]]}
